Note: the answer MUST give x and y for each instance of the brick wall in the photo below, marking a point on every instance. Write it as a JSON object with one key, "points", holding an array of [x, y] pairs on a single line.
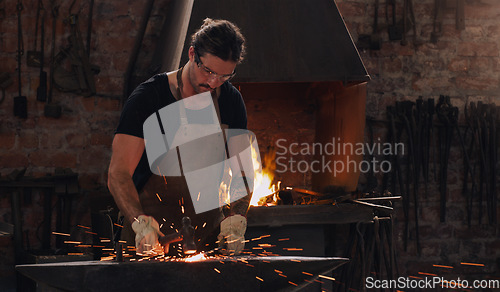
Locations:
{"points": [[462, 64]]}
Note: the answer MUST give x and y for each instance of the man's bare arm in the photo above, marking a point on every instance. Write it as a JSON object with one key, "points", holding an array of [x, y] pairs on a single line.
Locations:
{"points": [[127, 151]]}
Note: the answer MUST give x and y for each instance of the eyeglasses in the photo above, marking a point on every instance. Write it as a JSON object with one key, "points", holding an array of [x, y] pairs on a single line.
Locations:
{"points": [[209, 73]]}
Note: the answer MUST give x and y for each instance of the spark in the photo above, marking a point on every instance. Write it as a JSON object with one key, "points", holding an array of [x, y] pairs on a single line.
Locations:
{"points": [[72, 242], [250, 265], [414, 277], [198, 196], [427, 274], [297, 261], [58, 233], [472, 264], [136, 220], [292, 249], [217, 270], [439, 266], [164, 220], [260, 279], [105, 240], [282, 275], [292, 283], [98, 246], [204, 224], [93, 233], [158, 197], [309, 274], [182, 199], [75, 253], [182, 208], [326, 277], [83, 245], [161, 225], [83, 226], [121, 226], [268, 262], [266, 245], [278, 271], [283, 239], [122, 241]]}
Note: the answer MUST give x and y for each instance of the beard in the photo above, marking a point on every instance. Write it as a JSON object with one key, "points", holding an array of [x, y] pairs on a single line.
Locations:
{"points": [[198, 87]]}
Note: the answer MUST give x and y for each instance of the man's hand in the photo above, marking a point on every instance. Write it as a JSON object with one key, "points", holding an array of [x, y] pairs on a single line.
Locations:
{"points": [[147, 232], [232, 234]]}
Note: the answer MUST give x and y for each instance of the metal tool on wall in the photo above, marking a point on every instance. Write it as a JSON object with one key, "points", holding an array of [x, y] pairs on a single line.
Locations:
{"points": [[20, 101], [41, 91], [394, 30], [33, 57], [51, 109], [448, 115], [80, 79]]}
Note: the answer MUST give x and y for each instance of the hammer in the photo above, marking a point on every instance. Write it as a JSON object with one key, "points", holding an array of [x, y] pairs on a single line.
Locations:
{"points": [[186, 235]]}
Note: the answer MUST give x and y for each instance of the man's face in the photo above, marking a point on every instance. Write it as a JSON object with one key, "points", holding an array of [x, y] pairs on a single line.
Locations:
{"points": [[208, 72]]}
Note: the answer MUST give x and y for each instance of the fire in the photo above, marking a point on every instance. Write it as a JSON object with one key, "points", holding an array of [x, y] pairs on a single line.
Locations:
{"points": [[263, 181]]}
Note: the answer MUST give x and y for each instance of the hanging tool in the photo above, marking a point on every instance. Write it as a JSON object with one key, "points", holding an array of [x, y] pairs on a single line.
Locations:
{"points": [[20, 101], [394, 30], [80, 79], [89, 26], [41, 91], [375, 42], [437, 29], [448, 115], [33, 57], [468, 167], [51, 109]]}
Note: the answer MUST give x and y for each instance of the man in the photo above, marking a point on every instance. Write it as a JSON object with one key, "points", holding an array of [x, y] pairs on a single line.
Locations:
{"points": [[145, 199]]}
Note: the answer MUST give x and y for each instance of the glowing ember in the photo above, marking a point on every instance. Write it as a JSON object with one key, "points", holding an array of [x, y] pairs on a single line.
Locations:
{"points": [[326, 277], [58, 233], [440, 266], [472, 264], [196, 258]]}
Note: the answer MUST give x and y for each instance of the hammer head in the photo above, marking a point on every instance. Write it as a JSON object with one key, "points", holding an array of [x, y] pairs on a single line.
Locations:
{"points": [[187, 232]]}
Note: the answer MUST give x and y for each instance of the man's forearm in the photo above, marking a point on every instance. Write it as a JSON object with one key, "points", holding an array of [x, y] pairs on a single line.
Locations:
{"points": [[126, 197]]}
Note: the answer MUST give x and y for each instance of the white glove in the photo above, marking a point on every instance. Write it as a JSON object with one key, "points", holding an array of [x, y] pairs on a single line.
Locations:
{"points": [[147, 232], [232, 234]]}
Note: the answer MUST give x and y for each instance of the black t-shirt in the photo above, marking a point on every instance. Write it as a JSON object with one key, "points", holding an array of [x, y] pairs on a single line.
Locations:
{"points": [[153, 95]]}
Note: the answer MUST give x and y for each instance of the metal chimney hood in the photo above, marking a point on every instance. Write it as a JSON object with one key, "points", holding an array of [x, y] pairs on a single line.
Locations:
{"points": [[287, 40]]}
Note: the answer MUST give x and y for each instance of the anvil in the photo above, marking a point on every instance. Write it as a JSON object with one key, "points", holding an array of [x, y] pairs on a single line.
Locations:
{"points": [[273, 273]]}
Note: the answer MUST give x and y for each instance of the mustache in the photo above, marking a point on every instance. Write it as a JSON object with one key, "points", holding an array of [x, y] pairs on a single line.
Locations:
{"points": [[206, 86]]}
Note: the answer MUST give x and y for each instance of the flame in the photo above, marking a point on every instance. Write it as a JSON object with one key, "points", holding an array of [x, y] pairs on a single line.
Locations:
{"points": [[263, 180]]}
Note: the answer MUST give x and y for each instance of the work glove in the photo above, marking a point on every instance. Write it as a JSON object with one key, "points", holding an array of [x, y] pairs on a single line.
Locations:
{"points": [[147, 232], [232, 234]]}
